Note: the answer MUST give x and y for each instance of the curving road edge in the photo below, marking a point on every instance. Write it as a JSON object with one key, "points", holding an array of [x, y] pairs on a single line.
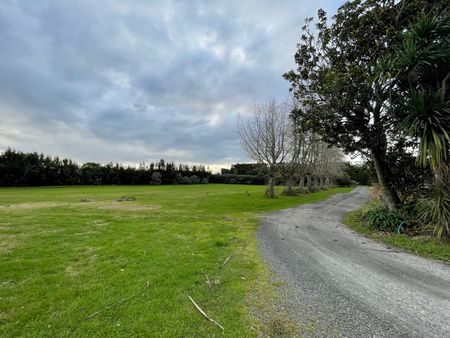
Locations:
{"points": [[340, 284]]}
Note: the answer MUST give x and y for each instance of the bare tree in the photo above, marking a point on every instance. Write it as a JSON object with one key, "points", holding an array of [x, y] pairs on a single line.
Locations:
{"points": [[289, 168], [265, 137], [298, 161], [327, 163], [294, 162], [306, 159], [317, 161]]}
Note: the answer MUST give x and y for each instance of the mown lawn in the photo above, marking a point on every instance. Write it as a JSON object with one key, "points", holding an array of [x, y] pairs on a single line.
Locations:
{"points": [[75, 262]]}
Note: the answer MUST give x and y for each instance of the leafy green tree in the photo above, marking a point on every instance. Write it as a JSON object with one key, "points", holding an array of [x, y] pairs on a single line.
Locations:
{"points": [[360, 173], [336, 79]]}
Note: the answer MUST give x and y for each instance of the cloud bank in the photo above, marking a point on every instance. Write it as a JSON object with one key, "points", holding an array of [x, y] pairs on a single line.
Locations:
{"points": [[133, 81]]}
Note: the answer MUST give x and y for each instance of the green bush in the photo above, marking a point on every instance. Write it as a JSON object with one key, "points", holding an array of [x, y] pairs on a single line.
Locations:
{"points": [[388, 220], [237, 179], [343, 181]]}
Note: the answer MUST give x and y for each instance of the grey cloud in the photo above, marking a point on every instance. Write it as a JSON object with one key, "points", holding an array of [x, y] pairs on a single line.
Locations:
{"points": [[140, 80]]}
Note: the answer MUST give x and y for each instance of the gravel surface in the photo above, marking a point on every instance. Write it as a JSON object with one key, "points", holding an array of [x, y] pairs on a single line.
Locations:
{"points": [[340, 284]]}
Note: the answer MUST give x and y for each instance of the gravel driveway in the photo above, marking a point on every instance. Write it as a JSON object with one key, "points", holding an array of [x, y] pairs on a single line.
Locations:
{"points": [[340, 284]]}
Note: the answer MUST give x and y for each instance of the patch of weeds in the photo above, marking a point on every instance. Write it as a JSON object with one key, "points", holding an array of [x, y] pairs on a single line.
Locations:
{"points": [[281, 327], [9, 242], [279, 283], [126, 199]]}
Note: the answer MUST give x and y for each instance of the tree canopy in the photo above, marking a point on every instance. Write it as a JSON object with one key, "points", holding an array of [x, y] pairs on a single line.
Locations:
{"points": [[337, 79]]}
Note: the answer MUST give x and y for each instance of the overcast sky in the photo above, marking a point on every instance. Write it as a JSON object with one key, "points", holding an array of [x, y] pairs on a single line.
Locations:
{"points": [[132, 81]]}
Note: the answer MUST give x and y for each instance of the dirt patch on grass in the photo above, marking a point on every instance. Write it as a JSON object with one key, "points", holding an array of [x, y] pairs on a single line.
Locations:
{"points": [[128, 206], [8, 242], [27, 206], [115, 205]]}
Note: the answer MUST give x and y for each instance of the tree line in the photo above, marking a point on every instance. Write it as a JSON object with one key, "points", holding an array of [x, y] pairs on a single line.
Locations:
{"points": [[33, 169]]}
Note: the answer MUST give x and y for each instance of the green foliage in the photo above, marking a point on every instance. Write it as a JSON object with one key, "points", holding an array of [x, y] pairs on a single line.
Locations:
{"points": [[422, 245], [32, 169], [334, 80], [360, 173], [253, 169], [156, 178], [350, 104], [238, 179], [411, 181], [429, 120], [436, 211], [378, 217], [383, 219], [194, 179], [419, 70], [343, 181]]}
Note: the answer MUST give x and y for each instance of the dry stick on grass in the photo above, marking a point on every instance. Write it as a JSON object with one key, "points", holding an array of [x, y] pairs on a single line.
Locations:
{"points": [[226, 260], [205, 315]]}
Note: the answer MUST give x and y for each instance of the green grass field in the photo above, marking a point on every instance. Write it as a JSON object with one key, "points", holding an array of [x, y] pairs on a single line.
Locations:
{"points": [[75, 262]]}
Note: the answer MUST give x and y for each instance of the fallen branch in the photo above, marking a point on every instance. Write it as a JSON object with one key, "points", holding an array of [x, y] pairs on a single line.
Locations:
{"points": [[226, 260], [205, 315]]}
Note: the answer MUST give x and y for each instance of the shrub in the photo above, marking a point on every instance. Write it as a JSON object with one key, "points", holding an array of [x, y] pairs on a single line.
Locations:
{"points": [[343, 181], [382, 219], [195, 179], [435, 212], [156, 178], [388, 220], [237, 179], [180, 179], [360, 173]]}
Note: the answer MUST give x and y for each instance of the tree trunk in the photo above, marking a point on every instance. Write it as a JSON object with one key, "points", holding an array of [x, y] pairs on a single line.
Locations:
{"points": [[289, 189], [302, 184], [270, 189], [316, 183], [308, 183], [389, 196]]}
